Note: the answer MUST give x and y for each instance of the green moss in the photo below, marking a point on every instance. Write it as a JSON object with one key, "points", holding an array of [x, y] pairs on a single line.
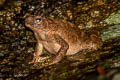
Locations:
{"points": [[110, 32], [114, 18]]}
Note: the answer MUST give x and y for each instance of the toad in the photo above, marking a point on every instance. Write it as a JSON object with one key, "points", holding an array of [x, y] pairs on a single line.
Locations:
{"points": [[60, 37]]}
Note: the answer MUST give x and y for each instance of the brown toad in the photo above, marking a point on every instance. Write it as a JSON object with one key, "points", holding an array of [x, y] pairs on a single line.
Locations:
{"points": [[60, 37]]}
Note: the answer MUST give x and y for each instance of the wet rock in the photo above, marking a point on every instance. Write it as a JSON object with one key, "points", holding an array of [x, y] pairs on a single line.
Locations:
{"points": [[116, 77], [2, 2]]}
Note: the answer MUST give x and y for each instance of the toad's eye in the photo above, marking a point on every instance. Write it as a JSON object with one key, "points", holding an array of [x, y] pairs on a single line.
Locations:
{"points": [[38, 19]]}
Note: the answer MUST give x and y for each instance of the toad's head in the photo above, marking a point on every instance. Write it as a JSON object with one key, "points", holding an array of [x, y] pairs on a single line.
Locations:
{"points": [[35, 22]]}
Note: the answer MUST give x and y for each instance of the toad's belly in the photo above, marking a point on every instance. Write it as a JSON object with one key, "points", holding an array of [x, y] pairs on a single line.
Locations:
{"points": [[73, 49]]}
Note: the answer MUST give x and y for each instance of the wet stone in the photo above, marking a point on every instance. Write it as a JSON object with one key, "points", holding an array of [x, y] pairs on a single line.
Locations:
{"points": [[2, 2]]}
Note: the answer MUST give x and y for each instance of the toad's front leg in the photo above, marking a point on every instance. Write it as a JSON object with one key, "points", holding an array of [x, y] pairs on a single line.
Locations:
{"points": [[62, 51], [38, 50], [37, 53]]}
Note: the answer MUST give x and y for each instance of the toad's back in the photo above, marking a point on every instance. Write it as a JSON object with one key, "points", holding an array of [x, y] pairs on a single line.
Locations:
{"points": [[69, 32], [77, 39]]}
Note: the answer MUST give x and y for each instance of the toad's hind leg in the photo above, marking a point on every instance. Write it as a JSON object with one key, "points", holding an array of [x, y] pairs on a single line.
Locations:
{"points": [[62, 51]]}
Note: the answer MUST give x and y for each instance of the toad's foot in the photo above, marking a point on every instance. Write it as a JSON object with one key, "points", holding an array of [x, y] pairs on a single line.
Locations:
{"points": [[55, 60], [38, 59]]}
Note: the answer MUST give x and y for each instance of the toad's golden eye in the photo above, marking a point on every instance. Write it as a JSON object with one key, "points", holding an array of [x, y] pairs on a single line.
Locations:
{"points": [[38, 20]]}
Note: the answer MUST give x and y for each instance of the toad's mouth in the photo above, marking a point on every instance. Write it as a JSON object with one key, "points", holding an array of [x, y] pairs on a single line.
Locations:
{"points": [[28, 24]]}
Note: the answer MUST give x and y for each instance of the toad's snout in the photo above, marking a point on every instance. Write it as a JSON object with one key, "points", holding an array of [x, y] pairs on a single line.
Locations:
{"points": [[29, 20]]}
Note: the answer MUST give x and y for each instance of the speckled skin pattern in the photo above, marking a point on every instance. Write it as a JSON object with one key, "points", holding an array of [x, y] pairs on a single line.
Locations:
{"points": [[60, 37]]}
